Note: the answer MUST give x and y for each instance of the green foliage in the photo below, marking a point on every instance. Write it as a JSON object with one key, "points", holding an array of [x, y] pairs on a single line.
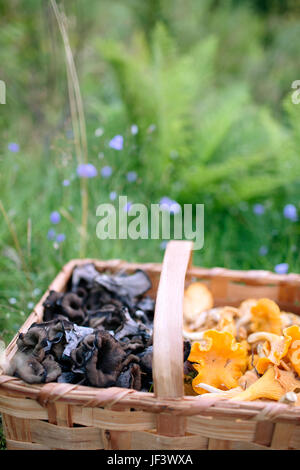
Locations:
{"points": [[209, 140]]}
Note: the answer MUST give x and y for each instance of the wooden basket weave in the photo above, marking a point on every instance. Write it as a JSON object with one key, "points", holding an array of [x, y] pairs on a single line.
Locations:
{"points": [[65, 416]]}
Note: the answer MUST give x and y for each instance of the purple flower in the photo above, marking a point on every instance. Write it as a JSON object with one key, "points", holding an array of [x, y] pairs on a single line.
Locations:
{"points": [[55, 217], [66, 182], [13, 147], [131, 176], [168, 204], [258, 209], [51, 234], [60, 237], [263, 251], [106, 171], [86, 170], [281, 268], [116, 142], [127, 206], [113, 195], [290, 212]]}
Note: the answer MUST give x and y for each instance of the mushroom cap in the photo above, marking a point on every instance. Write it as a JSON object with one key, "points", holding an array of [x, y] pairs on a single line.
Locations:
{"points": [[220, 361], [275, 347], [293, 354], [249, 377], [266, 317], [197, 298]]}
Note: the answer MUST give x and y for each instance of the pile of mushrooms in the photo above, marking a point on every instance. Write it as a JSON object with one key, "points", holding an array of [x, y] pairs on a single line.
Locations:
{"points": [[251, 352], [97, 333]]}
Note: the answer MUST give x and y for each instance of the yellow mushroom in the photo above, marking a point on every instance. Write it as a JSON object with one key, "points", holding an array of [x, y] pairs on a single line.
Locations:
{"points": [[197, 299], [272, 385], [249, 377], [275, 347], [243, 322], [293, 354], [265, 316], [219, 360], [221, 319]]}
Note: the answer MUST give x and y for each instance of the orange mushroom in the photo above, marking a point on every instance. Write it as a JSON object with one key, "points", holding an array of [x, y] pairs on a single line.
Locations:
{"points": [[293, 354], [266, 316], [219, 360], [273, 385], [275, 348]]}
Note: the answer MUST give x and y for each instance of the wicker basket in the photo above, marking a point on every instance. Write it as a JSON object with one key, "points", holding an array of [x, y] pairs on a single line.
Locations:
{"points": [[64, 416]]}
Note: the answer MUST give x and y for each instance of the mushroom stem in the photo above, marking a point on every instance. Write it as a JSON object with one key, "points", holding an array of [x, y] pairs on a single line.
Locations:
{"points": [[193, 335], [263, 336], [265, 387], [209, 388]]}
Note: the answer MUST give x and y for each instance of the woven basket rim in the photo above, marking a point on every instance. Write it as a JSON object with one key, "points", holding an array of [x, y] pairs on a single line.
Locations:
{"points": [[187, 405]]}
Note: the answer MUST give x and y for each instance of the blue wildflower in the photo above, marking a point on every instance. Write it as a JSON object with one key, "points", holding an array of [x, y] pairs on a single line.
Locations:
{"points": [[281, 268], [60, 237], [127, 206], [163, 245], [13, 147], [86, 170], [258, 209], [55, 217], [131, 176], [113, 195], [66, 182], [51, 234], [168, 204], [290, 212], [116, 142], [106, 171]]}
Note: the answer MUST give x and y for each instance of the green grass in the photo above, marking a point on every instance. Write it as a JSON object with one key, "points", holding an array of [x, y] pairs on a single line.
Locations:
{"points": [[31, 188]]}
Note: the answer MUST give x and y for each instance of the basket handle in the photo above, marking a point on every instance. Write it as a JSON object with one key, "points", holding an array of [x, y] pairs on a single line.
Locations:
{"points": [[168, 321]]}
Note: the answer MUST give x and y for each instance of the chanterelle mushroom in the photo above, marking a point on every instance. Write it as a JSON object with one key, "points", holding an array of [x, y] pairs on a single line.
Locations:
{"points": [[220, 361], [293, 354], [272, 385], [266, 317], [197, 299], [275, 348]]}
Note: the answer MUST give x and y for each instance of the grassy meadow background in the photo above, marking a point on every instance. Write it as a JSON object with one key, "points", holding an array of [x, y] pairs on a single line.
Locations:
{"points": [[201, 94]]}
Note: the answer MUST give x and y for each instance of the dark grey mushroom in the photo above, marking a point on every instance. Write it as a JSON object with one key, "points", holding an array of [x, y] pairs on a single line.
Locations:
{"points": [[71, 306], [52, 369], [33, 342], [106, 362], [131, 377], [52, 305]]}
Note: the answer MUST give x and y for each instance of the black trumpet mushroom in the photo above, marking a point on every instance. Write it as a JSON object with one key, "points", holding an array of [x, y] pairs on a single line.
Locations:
{"points": [[97, 333]]}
